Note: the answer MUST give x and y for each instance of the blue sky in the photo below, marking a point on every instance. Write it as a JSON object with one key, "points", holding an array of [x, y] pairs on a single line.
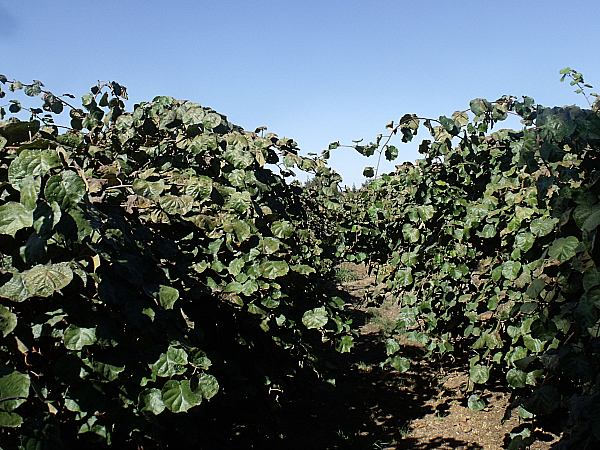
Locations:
{"points": [[315, 71]]}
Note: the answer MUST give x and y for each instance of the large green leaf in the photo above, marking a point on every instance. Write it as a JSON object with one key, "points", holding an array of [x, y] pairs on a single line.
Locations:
{"points": [[475, 403], [176, 204], [479, 374], [315, 318], [32, 162], [149, 189], [8, 321], [282, 229], [511, 269], [400, 363], [167, 296], [75, 338], [13, 217], [200, 188], [542, 226], [15, 289], [516, 378], [44, 280], [273, 269], [66, 189], [563, 249], [10, 419], [208, 385], [15, 384], [30, 191], [150, 400], [172, 362], [178, 396]]}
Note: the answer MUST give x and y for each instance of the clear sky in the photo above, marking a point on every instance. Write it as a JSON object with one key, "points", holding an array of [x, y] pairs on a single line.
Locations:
{"points": [[315, 71]]}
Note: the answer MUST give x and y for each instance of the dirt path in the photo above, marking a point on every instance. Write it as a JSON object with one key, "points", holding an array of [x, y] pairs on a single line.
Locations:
{"points": [[367, 406], [425, 408]]}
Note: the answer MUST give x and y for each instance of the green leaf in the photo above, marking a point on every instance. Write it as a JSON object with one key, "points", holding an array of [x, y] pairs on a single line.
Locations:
{"points": [[479, 374], [66, 189], [563, 249], [208, 386], [32, 90], [345, 344], [15, 289], [282, 229], [480, 106], [475, 403], [315, 318], [8, 321], [10, 419], [149, 189], [211, 120], [15, 384], [511, 269], [239, 201], [200, 188], [32, 162], [516, 378], [535, 345], [404, 276], [400, 363], [273, 269], [178, 396], [76, 338], [176, 204], [303, 269], [542, 226], [13, 217], [391, 153], [30, 191], [150, 400], [524, 241], [167, 296], [241, 229], [171, 363], [426, 212], [592, 222], [391, 346], [369, 172], [44, 280]]}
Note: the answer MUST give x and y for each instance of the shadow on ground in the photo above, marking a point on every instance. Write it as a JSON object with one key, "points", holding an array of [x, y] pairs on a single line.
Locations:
{"points": [[369, 406]]}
